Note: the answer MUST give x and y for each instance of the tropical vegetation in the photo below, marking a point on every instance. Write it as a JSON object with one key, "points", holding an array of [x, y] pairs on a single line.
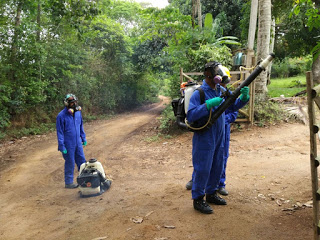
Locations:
{"points": [[115, 55]]}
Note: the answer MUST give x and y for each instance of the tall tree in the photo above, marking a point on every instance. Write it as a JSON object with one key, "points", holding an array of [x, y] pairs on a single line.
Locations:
{"points": [[199, 14], [14, 45], [252, 24], [229, 13], [252, 33], [196, 11], [313, 23]]}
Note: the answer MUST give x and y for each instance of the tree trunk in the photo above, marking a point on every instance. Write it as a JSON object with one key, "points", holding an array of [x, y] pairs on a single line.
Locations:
{"points": [[199, 14], [263, 44], [196, 11], [38, 37], [253, 24], [14, 47], [193, 12], [316, 70], [39, 21], [273, 34], [251, 35], [316, 63]]}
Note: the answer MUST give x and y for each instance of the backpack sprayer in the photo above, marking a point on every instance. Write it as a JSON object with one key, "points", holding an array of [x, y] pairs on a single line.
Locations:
{"points": [[92, 179], [180, 106]]}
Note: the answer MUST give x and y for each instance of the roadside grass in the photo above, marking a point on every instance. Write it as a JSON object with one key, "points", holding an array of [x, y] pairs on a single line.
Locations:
{"points": [[287, 87], [43, 128]]}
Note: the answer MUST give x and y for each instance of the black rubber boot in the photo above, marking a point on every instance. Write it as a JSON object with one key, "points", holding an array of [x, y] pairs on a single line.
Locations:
{"points": [[223, 191], [189, 185], [215, 199], [202, 206], [71, 185]]}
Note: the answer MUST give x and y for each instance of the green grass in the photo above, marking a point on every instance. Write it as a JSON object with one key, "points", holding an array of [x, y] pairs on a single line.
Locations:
{"points": [[42, 128], [286, 86]]}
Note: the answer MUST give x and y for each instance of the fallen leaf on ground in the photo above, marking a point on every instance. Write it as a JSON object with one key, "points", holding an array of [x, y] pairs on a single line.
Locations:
{"points": [[99, 238], [170, 227], [137, 219]]}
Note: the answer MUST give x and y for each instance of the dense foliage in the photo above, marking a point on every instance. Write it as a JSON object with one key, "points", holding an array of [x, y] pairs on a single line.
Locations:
{"points": [[50, 48], [116, 54]]}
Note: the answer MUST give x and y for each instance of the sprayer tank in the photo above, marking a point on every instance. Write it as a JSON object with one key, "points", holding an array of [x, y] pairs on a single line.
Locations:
{"points": [[189, 89]]}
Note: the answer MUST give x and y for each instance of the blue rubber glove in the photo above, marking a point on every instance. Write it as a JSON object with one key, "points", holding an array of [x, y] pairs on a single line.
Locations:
{"points": [[65, 151], [84, 143], [244, 94], [213, 102]]}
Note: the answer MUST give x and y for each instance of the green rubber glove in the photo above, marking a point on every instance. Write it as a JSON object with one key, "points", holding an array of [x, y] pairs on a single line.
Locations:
{"points": [[84, 143], [244, 94], [65, 151], [213, 102]]}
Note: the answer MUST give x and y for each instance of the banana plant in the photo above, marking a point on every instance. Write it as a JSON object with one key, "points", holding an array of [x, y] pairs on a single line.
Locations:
{"points": [[211, 30]]}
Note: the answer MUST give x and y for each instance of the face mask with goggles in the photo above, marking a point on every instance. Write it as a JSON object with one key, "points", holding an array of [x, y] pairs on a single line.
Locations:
{"points": [[71, 102], [219, 73]]}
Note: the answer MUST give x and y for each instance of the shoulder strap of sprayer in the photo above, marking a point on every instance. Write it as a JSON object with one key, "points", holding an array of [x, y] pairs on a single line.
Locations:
{"points": [[202, 95]]}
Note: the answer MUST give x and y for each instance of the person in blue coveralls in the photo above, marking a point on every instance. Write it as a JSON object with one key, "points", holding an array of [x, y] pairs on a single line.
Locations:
{"points": [[71, 137], [230, 117], [208, 146]]}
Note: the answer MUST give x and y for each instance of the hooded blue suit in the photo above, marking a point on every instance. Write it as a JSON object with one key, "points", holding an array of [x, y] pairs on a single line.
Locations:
{"points": [[208, 146], [230, 117], [70, 135]]}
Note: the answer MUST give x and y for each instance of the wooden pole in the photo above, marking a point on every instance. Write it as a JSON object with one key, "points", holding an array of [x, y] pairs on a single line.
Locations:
{"points": [[313, 155], [181, 75], [187, 77], [252, 90], [252, 24]]}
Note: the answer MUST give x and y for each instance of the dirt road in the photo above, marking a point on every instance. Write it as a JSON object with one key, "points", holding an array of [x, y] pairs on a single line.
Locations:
{"points": [[268, 178]]}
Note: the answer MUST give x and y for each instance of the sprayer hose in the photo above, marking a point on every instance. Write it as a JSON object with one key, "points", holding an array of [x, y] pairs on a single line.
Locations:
{"points": [[205, 125], [202, 127]]}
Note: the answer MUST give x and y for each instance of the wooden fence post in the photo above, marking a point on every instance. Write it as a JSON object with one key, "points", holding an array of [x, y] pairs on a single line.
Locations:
{"points": [[313, 155], [181, 75]]}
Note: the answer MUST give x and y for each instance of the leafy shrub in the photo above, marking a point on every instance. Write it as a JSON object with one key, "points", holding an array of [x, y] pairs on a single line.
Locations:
{"points": [[33, 130], [289, 67], [4, 106], [167, 120], [196, 59], [266, 113]]}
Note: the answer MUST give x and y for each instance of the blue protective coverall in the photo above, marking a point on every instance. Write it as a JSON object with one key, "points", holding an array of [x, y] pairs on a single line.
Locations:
{"points": [[70, 135], [207, 146], [230, 117]]}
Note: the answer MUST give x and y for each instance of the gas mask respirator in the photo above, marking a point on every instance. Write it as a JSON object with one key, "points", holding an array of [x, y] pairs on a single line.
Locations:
{"points": [[71, 102], [219, 73]]}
